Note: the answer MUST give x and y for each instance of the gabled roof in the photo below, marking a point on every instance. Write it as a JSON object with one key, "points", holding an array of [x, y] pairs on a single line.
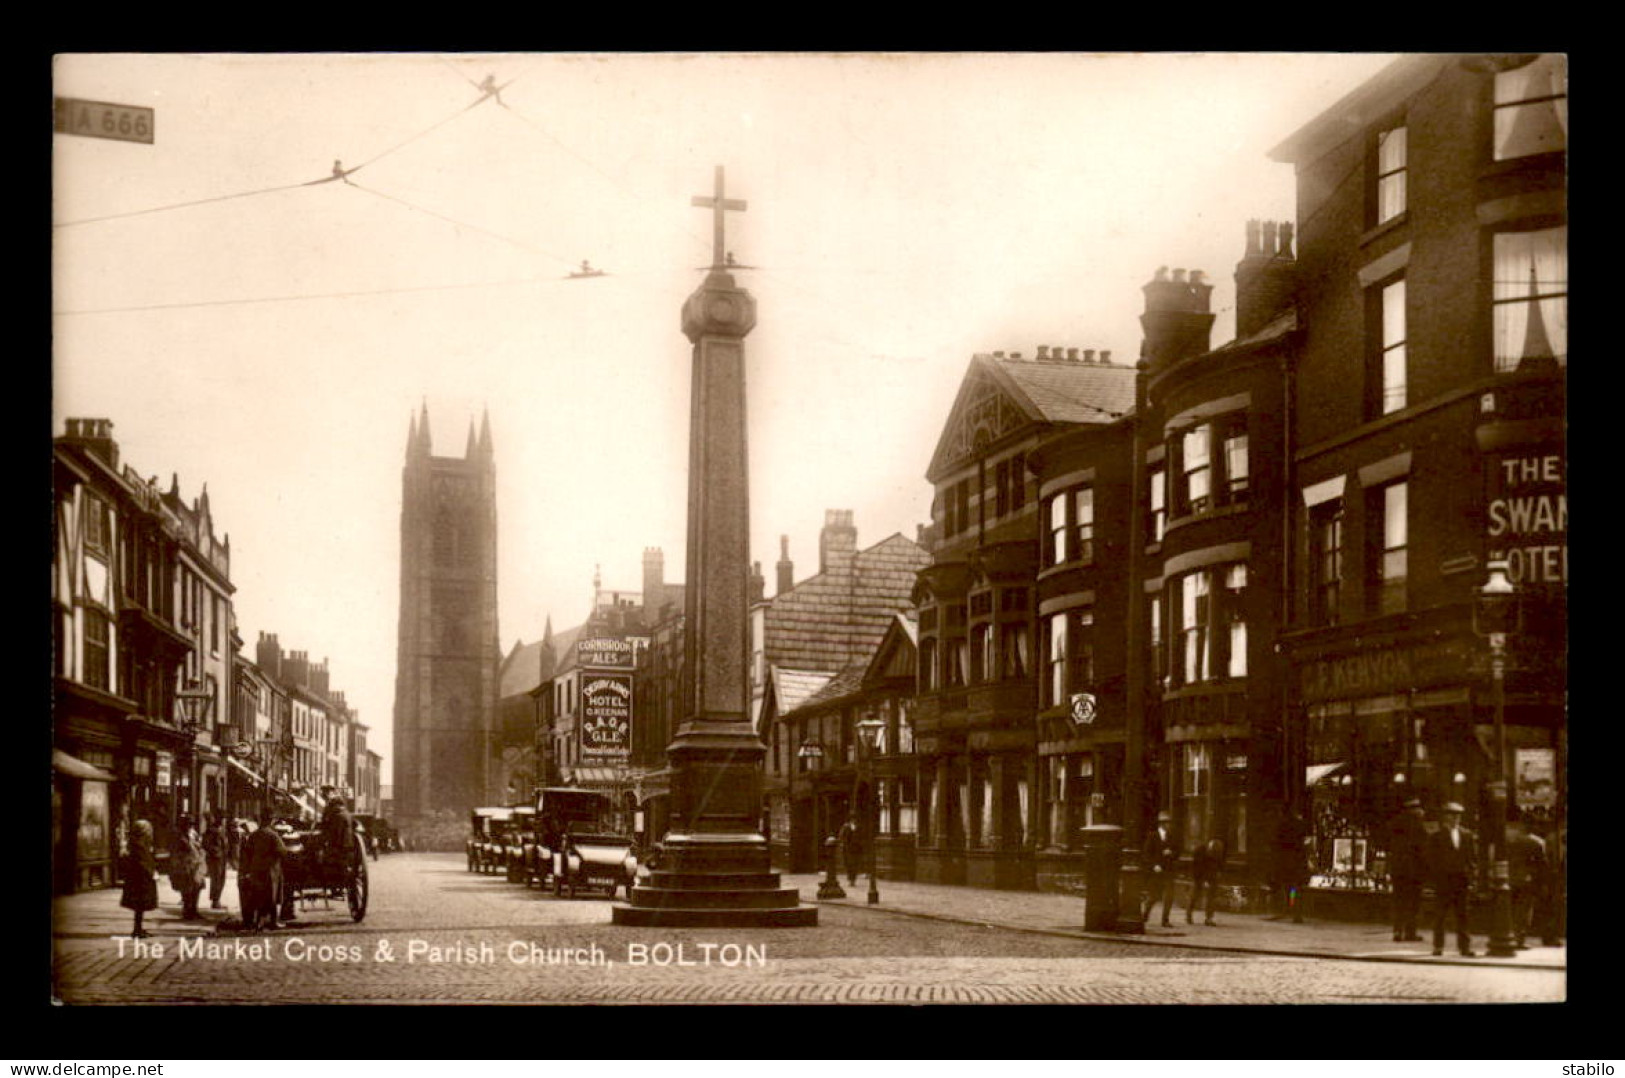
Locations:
{"points": [[791, 688], [902, 637], [849, 682], [521, 670], [1000, 396], [836, 617]]}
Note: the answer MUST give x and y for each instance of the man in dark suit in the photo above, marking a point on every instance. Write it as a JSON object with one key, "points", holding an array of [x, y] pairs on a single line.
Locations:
{"points": [[1161, 857], [1205, 867], [1451, 858], [1407, 866]]}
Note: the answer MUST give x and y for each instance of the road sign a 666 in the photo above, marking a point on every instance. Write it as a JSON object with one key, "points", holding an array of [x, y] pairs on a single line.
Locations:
{"points": [[1083, 708]]}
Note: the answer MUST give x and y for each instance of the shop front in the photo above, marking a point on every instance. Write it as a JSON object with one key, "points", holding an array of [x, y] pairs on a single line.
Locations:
{"points": [[83, 843], [1412, 717]]}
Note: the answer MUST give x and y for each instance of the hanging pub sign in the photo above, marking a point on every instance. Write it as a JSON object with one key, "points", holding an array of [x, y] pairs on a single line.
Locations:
{"points": [[602, 651], [606, 717]]}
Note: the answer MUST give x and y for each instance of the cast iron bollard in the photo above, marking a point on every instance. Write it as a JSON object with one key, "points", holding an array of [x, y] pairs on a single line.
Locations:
{"points": [[831, 887], [1102, 861]]}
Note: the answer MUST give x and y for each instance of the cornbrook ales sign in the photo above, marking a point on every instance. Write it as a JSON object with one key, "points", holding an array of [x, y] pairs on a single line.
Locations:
{"points": [[606, 717], [601, 651], [102, 119]]}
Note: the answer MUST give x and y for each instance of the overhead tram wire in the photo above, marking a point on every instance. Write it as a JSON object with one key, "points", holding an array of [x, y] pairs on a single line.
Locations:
{"points": [[356, 294], [338, 173], [464, 224]]}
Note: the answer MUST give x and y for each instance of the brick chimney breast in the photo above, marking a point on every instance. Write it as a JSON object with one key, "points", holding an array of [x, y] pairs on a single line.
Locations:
{"points": [[1266, 277], [837, 542]]}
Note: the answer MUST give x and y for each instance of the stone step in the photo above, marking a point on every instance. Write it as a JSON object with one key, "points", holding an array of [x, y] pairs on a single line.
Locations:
{"points": [[671, 898], [655, 917], [713, 881]]}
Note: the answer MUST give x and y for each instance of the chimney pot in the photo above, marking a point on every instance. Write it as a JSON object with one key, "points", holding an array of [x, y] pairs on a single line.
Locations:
{"points": [[1106, 355], [1285, 248], [1271, 230], [1179, 276], [1072, 355], [1015, 355], [1043, 351], [1088, 355], [998, 355], [1253, 247]]}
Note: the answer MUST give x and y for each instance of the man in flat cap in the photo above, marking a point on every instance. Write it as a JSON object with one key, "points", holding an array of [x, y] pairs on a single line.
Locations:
{"points": [[1407, 866], [1451, 857], [1161, 857]]}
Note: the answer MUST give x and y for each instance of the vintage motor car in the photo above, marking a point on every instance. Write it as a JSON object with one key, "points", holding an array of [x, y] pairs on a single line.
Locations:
{"points": [[591, 861], [480, 829], [559, 809], [521, 840]]}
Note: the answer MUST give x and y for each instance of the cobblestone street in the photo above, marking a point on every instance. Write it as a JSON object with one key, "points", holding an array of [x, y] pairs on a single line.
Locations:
{"points": [[436, 933]]}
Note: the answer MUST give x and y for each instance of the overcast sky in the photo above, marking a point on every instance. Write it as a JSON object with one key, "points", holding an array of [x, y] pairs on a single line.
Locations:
{"points": [[905, 212]]}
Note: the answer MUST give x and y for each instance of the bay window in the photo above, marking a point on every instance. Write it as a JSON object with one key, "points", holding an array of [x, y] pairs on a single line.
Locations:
{"points": [[1055, 523], [1197, 465], [1530, 297], [1209, 625], [1055, 656], [1159, 503], [1083, 524], [1532, 108]]}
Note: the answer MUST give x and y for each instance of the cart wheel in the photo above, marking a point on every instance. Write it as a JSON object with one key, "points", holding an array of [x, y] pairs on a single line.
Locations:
{"points": [[356, 893]]}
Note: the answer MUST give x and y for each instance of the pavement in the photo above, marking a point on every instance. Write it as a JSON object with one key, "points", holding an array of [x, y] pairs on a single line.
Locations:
{"points": [[1063, 915], [98, 915]]}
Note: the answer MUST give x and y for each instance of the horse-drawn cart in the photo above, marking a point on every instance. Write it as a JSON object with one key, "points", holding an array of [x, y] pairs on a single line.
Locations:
{"points": [[312, 873]]}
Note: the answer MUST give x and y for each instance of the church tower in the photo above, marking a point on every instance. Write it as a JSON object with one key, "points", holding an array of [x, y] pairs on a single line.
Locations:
{"points": [[449, 651]]}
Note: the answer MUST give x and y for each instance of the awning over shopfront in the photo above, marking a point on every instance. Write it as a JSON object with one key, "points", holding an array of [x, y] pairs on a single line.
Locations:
{"points": [[1315, 772], [245, 769], [76, 768], [595, 776]]}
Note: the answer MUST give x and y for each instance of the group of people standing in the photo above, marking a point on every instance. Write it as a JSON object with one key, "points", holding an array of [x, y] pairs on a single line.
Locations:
{"points": [[1447, 857], [202, 860], [1443, 856], [196, 861]]}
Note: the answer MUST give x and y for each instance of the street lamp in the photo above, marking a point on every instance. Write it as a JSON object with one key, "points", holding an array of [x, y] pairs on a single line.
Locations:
{"points": [[812, 751], [1495, 614], [196, 701], [869, 733]]}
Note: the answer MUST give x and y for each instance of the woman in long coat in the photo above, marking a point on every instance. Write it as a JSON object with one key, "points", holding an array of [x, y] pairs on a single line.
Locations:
{"points": [[140, 876], [188, 867]]}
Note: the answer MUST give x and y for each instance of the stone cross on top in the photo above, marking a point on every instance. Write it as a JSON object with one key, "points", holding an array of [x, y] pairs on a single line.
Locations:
{"points": [[717, 204]]}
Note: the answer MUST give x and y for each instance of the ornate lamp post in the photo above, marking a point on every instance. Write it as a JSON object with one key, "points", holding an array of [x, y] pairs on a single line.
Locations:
{"points": [[869, 735], [196, 701], [1495, 614]]}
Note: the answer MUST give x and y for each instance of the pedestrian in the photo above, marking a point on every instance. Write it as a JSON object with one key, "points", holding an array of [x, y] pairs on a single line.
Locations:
{"points": [[850, 841], [1547, 917], [188, 866], [216, 850], [1451, 861], [235, 831], [1161, 858], [1292, 842], [1531, 877], [1205, 866], [140, 876], [259, 882], [1407, 866]]}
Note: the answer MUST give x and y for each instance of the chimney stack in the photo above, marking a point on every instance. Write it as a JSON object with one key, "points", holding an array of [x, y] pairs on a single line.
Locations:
{"points": [[1106, 356], [758, 584], [96, 435], [1266, 277], [654, 581], [1177, 321], [837, 542], [786, 568]]}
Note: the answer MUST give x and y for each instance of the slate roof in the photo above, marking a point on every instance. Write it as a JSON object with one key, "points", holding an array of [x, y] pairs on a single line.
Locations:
{"points": [[848, 682], [1064, 391], [792, 687], [1279, 327], [521, 670], [838, 617]]}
